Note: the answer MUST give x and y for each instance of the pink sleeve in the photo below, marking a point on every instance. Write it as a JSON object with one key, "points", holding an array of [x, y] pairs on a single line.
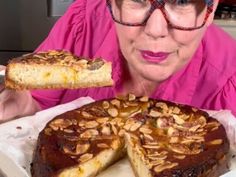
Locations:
{"points": [[226, 98], [65, 34]]}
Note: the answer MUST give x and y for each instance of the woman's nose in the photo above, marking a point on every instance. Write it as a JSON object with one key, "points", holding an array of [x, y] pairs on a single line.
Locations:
{"points": [[156, 26]]}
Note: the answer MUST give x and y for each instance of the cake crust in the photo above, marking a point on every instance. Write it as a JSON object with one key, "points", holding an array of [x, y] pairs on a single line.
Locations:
{"points": [[163, 139]]}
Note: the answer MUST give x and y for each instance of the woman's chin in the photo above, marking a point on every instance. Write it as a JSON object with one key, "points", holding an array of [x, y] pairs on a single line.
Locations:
{"points": [[156, 77]]}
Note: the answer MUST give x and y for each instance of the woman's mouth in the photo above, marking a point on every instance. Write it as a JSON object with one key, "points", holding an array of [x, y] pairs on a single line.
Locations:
{"points": [[154, 57]]}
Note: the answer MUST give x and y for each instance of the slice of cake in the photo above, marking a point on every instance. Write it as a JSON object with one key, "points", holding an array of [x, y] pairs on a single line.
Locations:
{"points": [[57, 69], [77, 144]]}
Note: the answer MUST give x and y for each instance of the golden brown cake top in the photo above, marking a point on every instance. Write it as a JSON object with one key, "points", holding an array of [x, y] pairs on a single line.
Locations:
{"points": [[174, 135], [58, 57], [165, 135]]}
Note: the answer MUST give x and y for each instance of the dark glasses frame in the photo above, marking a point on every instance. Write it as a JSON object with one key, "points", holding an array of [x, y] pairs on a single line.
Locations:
{"points": [[160, 4]]}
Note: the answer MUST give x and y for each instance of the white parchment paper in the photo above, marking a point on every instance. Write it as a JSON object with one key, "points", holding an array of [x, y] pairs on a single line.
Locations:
{"points": [[18, 139]]}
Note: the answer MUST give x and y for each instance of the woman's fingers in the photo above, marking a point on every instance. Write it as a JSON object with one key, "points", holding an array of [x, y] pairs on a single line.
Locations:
{"points": [[2, 78], [5, 94], [2, 67], [2, 87]]}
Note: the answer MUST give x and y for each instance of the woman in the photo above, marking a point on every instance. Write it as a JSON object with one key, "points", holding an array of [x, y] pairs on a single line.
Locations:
{"points": [[166, 49]]}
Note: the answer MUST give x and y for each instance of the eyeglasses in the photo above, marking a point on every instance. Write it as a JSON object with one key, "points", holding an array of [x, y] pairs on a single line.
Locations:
{"points": [[179, 14]]}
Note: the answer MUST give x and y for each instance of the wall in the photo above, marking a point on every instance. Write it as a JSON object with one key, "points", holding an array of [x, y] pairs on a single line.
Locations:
{"points": [[24, 24]]}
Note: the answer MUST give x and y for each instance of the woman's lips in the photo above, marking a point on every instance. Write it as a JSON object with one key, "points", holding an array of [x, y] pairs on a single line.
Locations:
{"points": [[154, 57]]}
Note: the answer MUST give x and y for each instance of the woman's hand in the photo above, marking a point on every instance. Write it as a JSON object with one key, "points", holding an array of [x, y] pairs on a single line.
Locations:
{"points": [[14, 103]]}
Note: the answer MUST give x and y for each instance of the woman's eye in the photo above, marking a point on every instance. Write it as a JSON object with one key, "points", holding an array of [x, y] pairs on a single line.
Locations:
{"points": [[180, 2], [140, 1]]}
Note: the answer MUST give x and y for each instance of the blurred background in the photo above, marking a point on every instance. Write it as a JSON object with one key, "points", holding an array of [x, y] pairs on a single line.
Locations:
{"points": [[226, 16], [25, 23]]}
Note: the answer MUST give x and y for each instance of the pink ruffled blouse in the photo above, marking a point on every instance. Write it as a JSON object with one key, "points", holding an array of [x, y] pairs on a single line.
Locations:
{"points": [[86, 29]]}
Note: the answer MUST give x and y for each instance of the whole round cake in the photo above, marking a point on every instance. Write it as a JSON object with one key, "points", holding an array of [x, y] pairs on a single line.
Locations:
{"points": [[161, 139]]}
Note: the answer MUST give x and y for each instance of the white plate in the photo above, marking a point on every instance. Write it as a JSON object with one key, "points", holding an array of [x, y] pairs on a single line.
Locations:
{"points": [[230, 174], [9, 168], [18, 143]]}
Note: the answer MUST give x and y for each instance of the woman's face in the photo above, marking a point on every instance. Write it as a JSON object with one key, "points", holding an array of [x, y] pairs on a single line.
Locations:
{"points": [[156, 51]]}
